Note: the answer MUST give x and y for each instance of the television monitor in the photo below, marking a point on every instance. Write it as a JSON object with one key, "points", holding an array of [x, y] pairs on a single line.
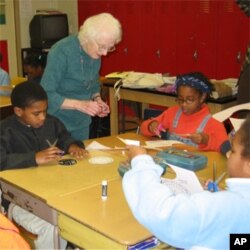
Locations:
{"points": [[47, 29]]}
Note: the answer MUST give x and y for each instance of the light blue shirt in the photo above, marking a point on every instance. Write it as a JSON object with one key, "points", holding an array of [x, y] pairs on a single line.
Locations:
{"points": [[201, 220], [4, 81], [4, 78]]}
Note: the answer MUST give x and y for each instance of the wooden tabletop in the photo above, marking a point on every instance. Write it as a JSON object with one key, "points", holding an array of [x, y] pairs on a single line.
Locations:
{"points": [[5, 101]]}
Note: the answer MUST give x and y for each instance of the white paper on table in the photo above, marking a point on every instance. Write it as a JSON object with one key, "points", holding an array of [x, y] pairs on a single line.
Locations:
{"points": [[186, 181], [161, 143], [129, 142], [96, 146]]}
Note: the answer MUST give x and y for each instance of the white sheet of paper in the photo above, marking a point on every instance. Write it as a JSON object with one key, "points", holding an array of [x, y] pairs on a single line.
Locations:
{"points": [[129, 142], [96, 146], [186, 181]]}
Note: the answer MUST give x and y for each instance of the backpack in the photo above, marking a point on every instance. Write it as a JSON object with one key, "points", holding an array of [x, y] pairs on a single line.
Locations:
{"points": [[138, 80]]}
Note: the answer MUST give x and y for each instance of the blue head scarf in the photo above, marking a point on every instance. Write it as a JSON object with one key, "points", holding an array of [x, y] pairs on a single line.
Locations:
{"points": [[194, 82]]}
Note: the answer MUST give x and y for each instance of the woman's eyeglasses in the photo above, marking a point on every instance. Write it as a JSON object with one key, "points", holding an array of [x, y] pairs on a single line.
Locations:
{"points": [[102, 48], [187, 101]]}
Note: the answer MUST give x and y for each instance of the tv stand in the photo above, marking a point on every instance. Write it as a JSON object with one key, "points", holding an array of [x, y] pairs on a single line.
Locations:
{"points": [[27, 51]]}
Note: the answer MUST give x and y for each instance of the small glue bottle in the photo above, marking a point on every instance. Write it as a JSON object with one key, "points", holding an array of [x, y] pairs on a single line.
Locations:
{"points": [[104, 190]]}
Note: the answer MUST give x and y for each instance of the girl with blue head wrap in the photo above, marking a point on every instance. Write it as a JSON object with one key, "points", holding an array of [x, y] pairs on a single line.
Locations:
{"points": [[190, 121], [195, 80]]}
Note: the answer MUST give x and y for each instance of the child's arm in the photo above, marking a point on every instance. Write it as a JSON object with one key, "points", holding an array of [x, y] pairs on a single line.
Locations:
{"points": [[48, 155], [156, 128]]}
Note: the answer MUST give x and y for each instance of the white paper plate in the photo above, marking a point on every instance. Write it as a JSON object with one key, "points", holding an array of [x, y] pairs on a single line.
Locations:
{"points": [[101, 160]]}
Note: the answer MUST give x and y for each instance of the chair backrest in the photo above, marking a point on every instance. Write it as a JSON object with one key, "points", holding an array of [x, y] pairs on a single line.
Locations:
{"points": [[148, 113], [227, 113]]}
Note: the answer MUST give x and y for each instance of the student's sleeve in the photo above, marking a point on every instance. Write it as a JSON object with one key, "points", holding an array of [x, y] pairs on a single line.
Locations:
{"points": [[14, 160], [168, 217], [218, 138], [5, 78], [180, 220]]}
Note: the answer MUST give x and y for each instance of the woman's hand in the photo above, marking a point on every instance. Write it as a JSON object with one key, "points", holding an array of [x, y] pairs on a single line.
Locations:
{"points": [[104, 108], [91, 108], [77, 151], [48, 155]]}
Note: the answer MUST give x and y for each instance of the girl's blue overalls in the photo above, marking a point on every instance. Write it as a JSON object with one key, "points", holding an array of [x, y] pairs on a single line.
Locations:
{"points": [[174, 136]]}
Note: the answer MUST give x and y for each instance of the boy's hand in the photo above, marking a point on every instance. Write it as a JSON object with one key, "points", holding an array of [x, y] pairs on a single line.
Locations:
{"points": [[48, 155], [77, 151]]}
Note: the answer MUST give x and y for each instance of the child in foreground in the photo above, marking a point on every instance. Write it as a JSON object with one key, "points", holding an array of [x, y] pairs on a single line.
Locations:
{"points": [[26, 141], [202, 220], [10, 236], [190, 122]]}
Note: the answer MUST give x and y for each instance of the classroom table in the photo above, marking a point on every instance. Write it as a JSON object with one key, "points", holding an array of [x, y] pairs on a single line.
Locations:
{"points": [[151, 96], [31, 187], [92, 223], [70, 197], [5, 107]]}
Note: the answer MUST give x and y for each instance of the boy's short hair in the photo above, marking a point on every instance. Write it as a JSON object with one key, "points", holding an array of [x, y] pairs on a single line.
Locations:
{"points": [[26, 93]]}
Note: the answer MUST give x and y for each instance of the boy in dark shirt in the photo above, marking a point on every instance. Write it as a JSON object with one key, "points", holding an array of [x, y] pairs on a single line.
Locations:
{"points": [[29, 138], [25, 136]]}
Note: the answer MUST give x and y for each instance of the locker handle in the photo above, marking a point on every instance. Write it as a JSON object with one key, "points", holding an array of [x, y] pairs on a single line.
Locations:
{"points": [[195, 55]]}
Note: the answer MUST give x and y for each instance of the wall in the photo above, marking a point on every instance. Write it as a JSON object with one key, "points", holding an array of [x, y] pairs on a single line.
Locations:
{"points": [[175, 36], [27, 8]]}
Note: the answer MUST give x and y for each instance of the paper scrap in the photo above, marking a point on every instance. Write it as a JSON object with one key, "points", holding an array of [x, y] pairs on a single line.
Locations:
{"points": [[129, 142], [96, 146]]}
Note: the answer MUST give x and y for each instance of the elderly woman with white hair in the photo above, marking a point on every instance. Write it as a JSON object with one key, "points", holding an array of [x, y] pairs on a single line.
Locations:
{"points": [[71, 77]]}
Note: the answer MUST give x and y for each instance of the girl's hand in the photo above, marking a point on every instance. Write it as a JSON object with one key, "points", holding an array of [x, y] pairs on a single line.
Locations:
{"points": [[48, 155], [199, 138], [156, 128], [77, 151]]}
